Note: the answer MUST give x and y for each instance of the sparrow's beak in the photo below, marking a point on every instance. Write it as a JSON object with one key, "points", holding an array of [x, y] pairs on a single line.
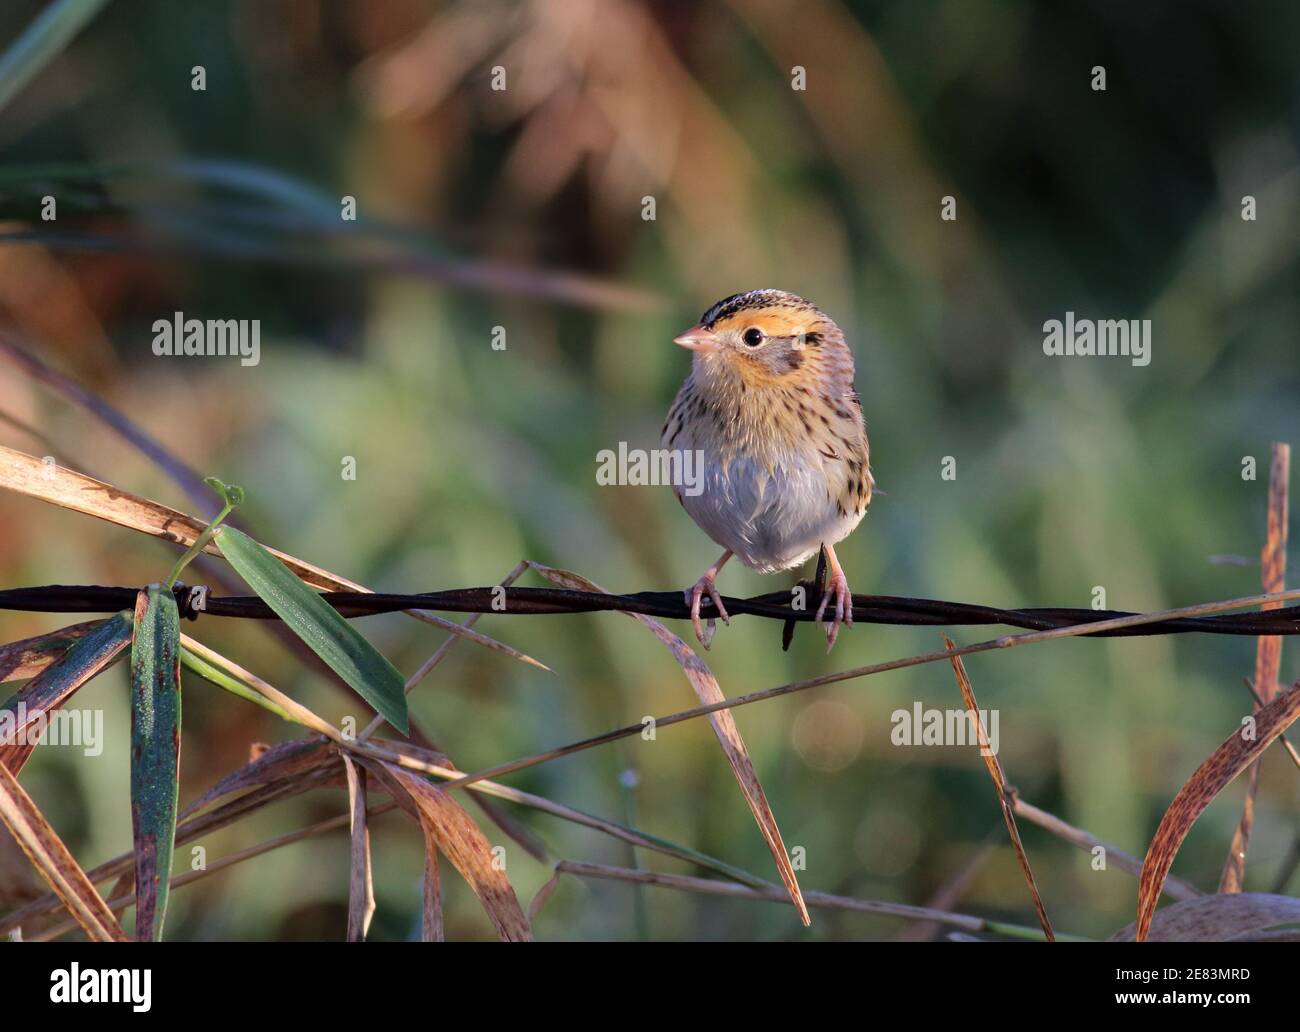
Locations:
{"points": [[697, 338]]}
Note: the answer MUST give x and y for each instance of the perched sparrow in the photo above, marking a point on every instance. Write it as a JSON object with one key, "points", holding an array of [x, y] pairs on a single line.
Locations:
{"points": [[771, 406]]}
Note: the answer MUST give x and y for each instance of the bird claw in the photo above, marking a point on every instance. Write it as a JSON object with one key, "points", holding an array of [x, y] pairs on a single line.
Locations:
{"points": [[838, 589], [694, 595]]}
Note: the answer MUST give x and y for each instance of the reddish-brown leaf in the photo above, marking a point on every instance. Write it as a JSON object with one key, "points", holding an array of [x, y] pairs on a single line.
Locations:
{"points": [[452, 831], [431, 929], [1210, 778]]}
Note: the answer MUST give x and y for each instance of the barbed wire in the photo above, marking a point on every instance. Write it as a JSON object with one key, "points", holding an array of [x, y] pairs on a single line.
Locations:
{"points": [[670, 605]]}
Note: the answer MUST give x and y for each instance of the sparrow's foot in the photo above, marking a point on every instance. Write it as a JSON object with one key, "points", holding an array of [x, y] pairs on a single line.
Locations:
{"points": [[837, 589], [694, 596]]}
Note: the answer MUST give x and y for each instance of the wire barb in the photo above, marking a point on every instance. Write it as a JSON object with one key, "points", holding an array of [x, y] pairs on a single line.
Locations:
{"points": [[873, 609]]}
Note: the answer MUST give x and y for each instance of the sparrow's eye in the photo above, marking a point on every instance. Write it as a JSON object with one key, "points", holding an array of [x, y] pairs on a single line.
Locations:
{"points": [[753, 337]]}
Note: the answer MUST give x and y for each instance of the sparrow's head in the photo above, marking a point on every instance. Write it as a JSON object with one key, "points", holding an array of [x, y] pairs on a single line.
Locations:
{"points": [[768, 338]]}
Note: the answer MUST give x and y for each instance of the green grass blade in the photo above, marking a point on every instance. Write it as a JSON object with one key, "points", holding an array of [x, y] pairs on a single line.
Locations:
{"points": [[41, 42], [199, 665], [155, 752], [331, 637]]}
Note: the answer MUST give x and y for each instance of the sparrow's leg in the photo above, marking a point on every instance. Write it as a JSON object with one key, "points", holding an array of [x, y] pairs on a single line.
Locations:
{"points": [[696, 593], [838, 588]]}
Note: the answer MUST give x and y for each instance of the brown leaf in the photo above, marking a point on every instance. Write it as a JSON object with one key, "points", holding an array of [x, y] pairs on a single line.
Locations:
{"points": [[51, 858], [1217, 918], [452, 831], [1282, 740], [416, 752], [361, 887], [282, 761], [27, 658], [542, 895], [431, 929], [29, 475], [724, 726], [14, 757], [1000, 783], [194, 828], [1210, 778]]}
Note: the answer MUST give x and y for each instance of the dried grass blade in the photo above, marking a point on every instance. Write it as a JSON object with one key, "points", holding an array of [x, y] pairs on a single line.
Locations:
{"points": [[453, 832], [50, 856], [44, 39], [1174, 888], [952, 890], [775, 894], [1268, 651], [361, 886], [1282, 739], [724, 726], [431, 928], [68, 489], [518, 832], [187, 479], [280, 762], [542, 895], [1000, 783], [195, 828], [228, 668]]}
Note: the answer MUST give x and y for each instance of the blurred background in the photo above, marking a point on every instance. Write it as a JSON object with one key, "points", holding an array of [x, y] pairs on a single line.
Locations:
{"points": [[523, 209]]}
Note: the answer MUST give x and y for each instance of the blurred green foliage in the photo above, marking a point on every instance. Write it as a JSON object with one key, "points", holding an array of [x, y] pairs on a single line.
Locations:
{"points": [[523, 210]]}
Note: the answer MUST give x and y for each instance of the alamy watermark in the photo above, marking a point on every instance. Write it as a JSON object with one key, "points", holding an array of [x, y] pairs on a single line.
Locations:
{"points": [[657, 467], [921, 726], [1098, 338], [179, 336], [82, 729], [75, 984]]}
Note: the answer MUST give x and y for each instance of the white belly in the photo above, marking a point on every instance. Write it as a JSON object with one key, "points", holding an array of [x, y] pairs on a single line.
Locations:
{"points": [[770, 521]]}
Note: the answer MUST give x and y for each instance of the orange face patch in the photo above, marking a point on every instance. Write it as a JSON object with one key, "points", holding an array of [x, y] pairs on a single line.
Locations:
{"points": [[754, 372], [774, 322]]}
